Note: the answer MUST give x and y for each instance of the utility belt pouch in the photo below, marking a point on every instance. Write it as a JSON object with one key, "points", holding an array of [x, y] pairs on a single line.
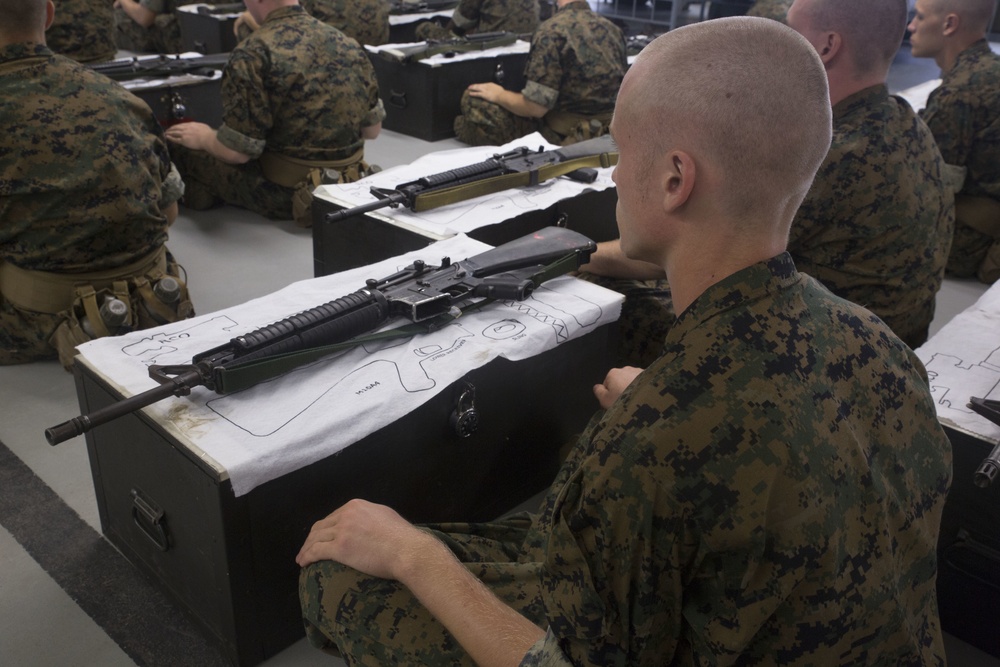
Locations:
{"points": [[575, 127], [306, 175], [157, 296], [84, 321]]}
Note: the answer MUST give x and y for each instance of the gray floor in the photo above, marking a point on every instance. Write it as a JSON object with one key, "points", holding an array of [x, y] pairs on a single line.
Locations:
{"points": [[231, 256]]}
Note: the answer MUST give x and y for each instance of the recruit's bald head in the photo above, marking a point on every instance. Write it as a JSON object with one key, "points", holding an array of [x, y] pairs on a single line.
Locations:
{"points": [[872, 30], [975, 14], [747, 95], [22, 17]]}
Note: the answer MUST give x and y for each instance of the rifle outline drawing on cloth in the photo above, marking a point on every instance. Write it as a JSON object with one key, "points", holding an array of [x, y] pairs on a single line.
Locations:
{"points": [[520, 167], [428, 296]]}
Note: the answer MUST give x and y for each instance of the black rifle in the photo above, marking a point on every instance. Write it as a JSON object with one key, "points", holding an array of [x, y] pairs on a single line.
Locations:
{"points": [[517, 168], [161, 66], [420, 6], [423, 294], [476, 42], [990, 466]]}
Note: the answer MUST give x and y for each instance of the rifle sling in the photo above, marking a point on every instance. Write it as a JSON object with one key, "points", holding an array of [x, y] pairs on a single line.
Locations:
{"points": [[436, 198], [240, 377]]}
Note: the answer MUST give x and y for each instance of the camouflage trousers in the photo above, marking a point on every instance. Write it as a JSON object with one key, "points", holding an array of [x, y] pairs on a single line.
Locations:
{"points": [[483, 123], [647, 315], [209, 182], [377, 622], [973, 255], [164, 36]]}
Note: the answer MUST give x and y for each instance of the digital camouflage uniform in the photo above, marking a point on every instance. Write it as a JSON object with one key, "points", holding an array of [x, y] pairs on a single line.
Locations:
{"points": [[768, 492], [366, 21], [964, 115], [477, 16], [877, 223], [164, 36], [295, 87], [771, 9], [84, 178], [874, 228], [83, 30], [575, 67]]}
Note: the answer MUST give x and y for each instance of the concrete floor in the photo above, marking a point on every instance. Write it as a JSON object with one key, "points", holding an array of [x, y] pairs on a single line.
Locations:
{"points": [[47, 611]]}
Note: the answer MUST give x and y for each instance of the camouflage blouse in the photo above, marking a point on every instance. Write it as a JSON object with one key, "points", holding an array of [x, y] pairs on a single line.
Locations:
{"points": [[768, 492], [964, 115], [299, 88], [519, 16], [83, 164], [577, 62], [366, 21], [876, 225], [83, 30]]}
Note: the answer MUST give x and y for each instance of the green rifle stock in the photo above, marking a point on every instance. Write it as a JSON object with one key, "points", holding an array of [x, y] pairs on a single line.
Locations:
{"points": [[517, 168], [428, 296]]}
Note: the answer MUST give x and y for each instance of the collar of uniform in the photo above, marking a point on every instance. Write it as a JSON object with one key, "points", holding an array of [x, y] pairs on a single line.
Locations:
{"points": [[745, 285], [863, 98], [970, 56], [24, 50], [576, 5], [282, 12]]}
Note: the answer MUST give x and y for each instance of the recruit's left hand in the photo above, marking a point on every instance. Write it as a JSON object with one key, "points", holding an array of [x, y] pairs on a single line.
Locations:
{"points": [[488, 91], [616, 381], [195, 136], [370, 538]]}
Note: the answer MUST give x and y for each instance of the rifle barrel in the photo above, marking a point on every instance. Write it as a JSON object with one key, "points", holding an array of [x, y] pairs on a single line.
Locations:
{"points": [[84, 423], [391, 200]]}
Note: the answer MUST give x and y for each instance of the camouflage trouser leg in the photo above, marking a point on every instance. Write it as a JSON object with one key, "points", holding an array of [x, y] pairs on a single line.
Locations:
{"points": [[24, 334], [207, 181], [968, 250], [483, 123], [378, 622], [647, 315]]}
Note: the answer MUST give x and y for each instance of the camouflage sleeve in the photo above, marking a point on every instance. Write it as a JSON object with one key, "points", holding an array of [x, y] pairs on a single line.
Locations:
{"points": [[246, 109], [539, 94], [544, 71], [376, 115], [376, 109], [545, 652], [173, 188], [950, 120]]}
